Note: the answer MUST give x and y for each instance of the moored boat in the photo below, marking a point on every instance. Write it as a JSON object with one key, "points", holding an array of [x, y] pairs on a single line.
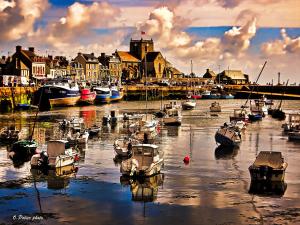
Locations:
{"points": [[294, 135], [58, 154], [268, 166], [255, 117], [24, 147], [61, 93], [215, 107], [87, 96], [227, 136], [103, 94], [188, 104], [239, 115], [293, 123], [146, 160], [116, 94], [123, 146], [172, 117]]}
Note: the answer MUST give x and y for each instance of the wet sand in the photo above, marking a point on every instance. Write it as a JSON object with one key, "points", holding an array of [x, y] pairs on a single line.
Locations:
{"points": [[212, 189]]}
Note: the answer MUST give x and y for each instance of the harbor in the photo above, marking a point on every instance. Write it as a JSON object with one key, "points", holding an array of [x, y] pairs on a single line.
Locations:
{"points": [[215, 180]]}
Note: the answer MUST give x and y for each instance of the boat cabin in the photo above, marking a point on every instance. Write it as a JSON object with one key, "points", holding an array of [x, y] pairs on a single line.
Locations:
{"points": [[145, 154], [56, 148], [268, 166]]}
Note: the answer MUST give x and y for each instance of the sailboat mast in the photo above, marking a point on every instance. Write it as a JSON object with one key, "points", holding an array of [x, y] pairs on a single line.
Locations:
{"points": [[146, 85], [35, 119], [256, 83]]}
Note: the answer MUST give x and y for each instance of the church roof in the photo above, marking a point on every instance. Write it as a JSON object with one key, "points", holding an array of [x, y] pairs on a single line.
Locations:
{"points": [[126, 57]]}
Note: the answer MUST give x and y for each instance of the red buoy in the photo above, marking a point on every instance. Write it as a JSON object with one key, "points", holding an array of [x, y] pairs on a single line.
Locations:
{"points": [[186, 159]]}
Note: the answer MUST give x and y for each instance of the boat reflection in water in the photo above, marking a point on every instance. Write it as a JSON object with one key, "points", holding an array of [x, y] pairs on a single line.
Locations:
{"points": [[172, 131], [226, 152], [267, 188], [58, 178], [144, 189]]}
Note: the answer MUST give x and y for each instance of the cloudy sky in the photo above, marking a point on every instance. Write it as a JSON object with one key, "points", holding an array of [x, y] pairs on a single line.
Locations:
{"points": [[234, 34]]}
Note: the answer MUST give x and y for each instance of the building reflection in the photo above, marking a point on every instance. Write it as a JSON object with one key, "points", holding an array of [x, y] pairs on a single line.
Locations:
{"points": [[144, 189]]}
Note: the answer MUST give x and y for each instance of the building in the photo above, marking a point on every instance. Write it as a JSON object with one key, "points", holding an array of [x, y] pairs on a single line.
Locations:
{"points": [[39, 68], [77, 71], [209, 74], [139, 48], [57, 67], [232, 77], [111, 66], [130, 65], [91, 66], [156, 65]]}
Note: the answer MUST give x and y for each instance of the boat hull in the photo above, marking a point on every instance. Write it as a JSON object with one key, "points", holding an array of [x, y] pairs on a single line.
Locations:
{"points": [[87, 99], [154, 169], [172, 121], [103, 99], [66, 101], [226, 141], [264, 173], [294, 136], [116, 97], [188, 105]]}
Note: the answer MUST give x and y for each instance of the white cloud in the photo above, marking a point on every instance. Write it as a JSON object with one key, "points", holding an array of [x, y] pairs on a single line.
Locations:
{"points": [[283, 46], [17, 18]]}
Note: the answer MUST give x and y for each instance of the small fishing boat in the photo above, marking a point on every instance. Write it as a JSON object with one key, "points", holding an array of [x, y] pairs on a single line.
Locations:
{"points": [[278, 114], [87, 97], [236, 125], [255, 117], [78, 138], [172, 117], [258, 107], [268, 166], [24, 106], [215, 107], [189, 104], [146, 160], [94, 130], [293, 123], [227, 96], [132, 116], [75, 124], [239, 115], [228, 137], [61, 93], [103, 94], [9, 135], [116, 94], [24, 148], [123, 146], [294, 135], [58, 154]]}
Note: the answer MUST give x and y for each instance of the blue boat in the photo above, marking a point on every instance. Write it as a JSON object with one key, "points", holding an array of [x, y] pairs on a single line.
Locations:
{"points": [[103, 94], [208, 95], [229, 96], [116, 94], [255, 117]]}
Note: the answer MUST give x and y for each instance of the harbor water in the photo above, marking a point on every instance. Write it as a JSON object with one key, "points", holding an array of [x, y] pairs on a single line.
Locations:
{"points": [[212, 189]]}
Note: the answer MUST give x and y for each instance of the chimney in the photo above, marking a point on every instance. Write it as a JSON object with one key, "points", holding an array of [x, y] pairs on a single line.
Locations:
{"points": [[31, 49], [92, 54], [50, 57], [207, 70], [3, 57], [18, 48], [102, 54], [278, 78]]}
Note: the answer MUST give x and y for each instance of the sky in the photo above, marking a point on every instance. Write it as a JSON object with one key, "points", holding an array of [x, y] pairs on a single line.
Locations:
{"points": [[215, 34]]}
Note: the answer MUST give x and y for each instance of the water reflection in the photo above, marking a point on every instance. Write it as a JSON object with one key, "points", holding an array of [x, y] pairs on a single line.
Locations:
{"points": [[58, 178], [226, 152], [172, 131], [275, 189], [143, 190]]}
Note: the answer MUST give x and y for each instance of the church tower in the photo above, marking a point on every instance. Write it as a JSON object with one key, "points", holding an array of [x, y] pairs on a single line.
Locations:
{"points": [[139, 48]]}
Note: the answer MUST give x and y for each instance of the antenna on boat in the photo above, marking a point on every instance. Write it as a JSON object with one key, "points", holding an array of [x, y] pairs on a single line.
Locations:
{"points": [[255, 83], [279, 106]]}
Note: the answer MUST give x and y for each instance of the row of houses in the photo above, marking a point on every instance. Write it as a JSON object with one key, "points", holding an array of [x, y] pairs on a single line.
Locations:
{"points": [[141, 60]]}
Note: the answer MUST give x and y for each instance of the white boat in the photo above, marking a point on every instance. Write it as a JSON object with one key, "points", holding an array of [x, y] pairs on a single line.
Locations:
{"points": [[215, 107], [239, 115], [58, 155], [123, 146], [146, 160], [228, 137], [189, 104], [294, 136], [127, 116], [76, 124], [293, 123], [173, 117], [171, 105], [236, 125], [78, 138], [259, 107]]}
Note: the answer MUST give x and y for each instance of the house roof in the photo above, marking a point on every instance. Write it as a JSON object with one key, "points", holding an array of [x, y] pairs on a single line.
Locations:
{"points": [[175, 71], [271, 159], [209, 74], [90, 57], [234, 74], [29, 54], [126, 57], [151, 56]]}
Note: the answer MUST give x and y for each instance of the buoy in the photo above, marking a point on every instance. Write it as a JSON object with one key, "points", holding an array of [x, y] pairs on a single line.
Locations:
{"points": [[186, 159]]}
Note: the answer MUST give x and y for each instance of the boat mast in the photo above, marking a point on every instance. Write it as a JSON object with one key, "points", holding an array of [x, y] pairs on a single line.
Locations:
{"points": [[146, 87], [255, 83], [279, 106], [36, 114]]}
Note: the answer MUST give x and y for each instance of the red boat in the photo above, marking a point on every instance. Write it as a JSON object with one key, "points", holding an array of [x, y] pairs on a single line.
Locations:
{"points": [[87, 96], [197, 96]]}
